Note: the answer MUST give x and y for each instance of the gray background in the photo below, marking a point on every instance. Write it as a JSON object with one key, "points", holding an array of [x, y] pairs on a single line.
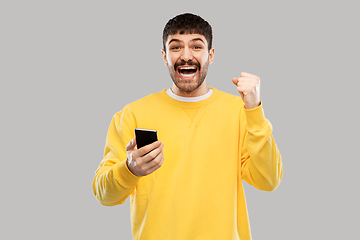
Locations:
{"points": [[67, 66]]}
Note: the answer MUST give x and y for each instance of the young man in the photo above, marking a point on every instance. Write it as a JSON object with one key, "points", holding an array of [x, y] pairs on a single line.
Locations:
{"points": [[188, 185]]}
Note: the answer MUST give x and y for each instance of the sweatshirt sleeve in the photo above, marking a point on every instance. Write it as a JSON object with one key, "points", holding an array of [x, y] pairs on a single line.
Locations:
{"points": [[261, 164], [113, 182]]}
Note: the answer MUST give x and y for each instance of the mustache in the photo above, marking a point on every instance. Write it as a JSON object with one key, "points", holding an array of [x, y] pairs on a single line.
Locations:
{"points": [[190, 63]]}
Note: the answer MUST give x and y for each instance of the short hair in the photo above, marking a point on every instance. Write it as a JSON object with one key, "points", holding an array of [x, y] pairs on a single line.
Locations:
{"points": [[188, 23]]}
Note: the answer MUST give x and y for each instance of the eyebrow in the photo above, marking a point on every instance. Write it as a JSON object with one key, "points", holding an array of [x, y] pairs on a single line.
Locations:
{"points": [[197, 39], [192, 40]]}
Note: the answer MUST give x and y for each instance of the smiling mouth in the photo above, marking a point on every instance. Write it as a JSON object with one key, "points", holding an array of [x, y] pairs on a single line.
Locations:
{"points": [[187, 72]]}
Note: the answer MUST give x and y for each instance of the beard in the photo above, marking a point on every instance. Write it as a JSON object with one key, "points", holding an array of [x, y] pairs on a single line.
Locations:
{"points": [[188, 85]]}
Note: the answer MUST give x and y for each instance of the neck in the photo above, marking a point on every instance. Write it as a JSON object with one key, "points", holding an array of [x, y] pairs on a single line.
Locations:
{"points": [[202, 90]]}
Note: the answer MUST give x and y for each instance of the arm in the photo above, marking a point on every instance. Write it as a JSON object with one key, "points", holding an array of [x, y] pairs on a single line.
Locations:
{"points": [[261, 164], [123, 164], [113, 181]]}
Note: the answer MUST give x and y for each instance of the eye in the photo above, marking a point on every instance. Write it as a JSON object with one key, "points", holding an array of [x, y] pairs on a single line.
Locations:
{"points": [[197, 47], [175, 48]]}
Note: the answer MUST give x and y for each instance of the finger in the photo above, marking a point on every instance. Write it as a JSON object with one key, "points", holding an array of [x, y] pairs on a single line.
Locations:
{"points": [[235, 81], [243, 80], [150, 156], [144, 156], [148, 148], [156, 165], [245, 74], [246, 83], [245, 90], [156, 161], [150, 166], [131, 145]]}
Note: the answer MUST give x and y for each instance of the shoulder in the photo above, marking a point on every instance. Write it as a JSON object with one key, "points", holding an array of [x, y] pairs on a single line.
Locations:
{"points": [[141, 104], [227, 98], [146, 101]]}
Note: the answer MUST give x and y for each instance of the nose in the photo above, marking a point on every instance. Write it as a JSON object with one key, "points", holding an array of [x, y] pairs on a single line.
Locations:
{"points": [[186, 54]]}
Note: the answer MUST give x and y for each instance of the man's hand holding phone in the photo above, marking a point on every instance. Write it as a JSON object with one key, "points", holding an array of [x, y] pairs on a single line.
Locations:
{"points": [[146, 160]]}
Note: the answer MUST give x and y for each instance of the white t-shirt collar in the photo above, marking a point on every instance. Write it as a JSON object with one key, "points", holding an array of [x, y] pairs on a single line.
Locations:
{"points": [[189, 99]]}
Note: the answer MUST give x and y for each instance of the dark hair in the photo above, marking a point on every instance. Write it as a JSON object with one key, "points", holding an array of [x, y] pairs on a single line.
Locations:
{"points": [[188, 23]]}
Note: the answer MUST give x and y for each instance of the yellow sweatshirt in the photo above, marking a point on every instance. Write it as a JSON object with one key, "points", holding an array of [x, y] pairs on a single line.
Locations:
{"points": [[210, 146]]}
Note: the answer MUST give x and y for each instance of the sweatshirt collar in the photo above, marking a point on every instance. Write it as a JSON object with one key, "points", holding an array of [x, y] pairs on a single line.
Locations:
{"points": [[196, 104], [189, 99]]}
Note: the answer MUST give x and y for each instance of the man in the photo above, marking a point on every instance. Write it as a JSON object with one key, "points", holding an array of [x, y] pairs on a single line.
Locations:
{"points": [[188, 185]]}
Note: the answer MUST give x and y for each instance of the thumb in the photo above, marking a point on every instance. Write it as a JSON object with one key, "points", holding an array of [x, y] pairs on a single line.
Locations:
{"points": [[131, 145], [235, 81]]}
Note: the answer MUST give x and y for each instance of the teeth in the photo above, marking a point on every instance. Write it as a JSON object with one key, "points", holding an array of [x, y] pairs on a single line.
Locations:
{"points": [[187, 75], [186, 68]]}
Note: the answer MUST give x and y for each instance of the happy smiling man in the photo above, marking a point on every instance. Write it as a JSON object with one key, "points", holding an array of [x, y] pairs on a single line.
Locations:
{"points": [[188, 185]]}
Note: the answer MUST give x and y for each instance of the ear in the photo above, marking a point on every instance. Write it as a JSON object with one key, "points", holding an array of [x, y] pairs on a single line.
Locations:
{"points": [[164, 56], [211, 55]]}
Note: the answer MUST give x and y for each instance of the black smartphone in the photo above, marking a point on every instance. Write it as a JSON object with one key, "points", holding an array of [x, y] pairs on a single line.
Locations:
{"points": [[145, 137]]}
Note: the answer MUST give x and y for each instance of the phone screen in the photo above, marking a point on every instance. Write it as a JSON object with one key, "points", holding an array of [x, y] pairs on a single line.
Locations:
{"points": [[145, 137]]}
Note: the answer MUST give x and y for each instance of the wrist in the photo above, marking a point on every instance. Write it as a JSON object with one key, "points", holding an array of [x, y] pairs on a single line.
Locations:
{"points": [[255, 118], [125, 175], [252, 106]]}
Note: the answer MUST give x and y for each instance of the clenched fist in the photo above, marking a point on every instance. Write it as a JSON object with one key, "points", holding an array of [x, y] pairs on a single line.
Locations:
{"points": [[248, 86], [146, 160]]}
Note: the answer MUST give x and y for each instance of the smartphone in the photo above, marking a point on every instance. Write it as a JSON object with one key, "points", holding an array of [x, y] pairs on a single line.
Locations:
{"points": [[145, 137]]}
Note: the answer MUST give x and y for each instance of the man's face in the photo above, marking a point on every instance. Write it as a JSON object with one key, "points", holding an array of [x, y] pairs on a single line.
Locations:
{"points": [[187, 58]]}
